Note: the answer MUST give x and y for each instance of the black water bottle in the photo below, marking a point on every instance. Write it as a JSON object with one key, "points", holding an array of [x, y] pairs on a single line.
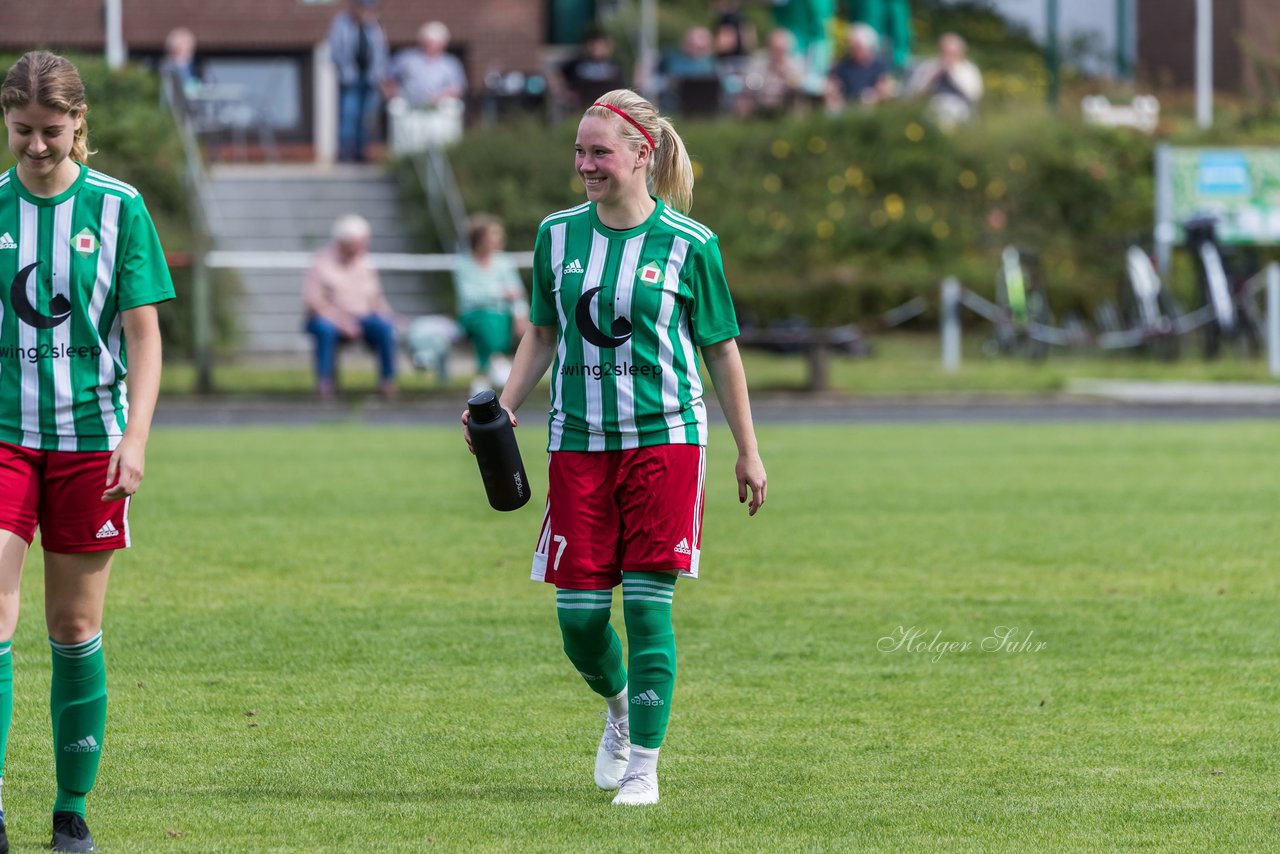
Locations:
{"points": [[494, 442]]}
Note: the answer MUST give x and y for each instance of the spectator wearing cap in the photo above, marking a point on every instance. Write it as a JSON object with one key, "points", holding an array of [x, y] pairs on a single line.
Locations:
{"points": [[358, 48]]}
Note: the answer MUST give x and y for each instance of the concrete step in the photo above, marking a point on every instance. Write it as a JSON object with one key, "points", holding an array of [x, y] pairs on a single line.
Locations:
{"points": [[307, 212], [259, 237], [322, 195]]}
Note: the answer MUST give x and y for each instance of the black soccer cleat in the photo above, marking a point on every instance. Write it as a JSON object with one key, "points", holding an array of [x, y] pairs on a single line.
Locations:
{"points": [[70, 833]]}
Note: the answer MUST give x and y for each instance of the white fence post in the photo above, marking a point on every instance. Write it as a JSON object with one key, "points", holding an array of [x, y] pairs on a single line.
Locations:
{"points": [[950, 320], [1273, 318]]}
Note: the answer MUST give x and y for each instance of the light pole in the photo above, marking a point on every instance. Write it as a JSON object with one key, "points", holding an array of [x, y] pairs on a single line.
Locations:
{"points": [[1122, 39], [1051, 49], [114, 25], [1204, 63]]}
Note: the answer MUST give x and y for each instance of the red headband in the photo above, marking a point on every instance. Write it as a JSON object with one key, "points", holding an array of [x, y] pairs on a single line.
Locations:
{"points": [[633, 122]]}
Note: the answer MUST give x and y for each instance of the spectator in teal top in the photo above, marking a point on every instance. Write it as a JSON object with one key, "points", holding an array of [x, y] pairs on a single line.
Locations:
{"points": [[492, 307]]}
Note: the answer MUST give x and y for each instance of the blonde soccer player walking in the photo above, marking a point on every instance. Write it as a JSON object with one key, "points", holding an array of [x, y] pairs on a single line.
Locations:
{"points": [[627, 290]]}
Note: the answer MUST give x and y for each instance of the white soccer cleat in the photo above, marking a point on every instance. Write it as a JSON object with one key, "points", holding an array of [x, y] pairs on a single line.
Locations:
{"points": [[499, 371], [613, 755], [638, 790]]}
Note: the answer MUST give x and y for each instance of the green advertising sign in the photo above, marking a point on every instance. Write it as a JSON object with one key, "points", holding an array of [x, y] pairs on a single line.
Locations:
{"points": [[1240, 187]]}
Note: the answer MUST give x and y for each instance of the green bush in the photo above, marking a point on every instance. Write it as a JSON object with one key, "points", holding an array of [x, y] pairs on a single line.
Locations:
{"points": [[134, 139]]}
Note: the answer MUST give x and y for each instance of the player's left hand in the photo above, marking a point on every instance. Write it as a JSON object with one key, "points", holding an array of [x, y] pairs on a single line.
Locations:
{"points": [[750, 472], [124, 471]]}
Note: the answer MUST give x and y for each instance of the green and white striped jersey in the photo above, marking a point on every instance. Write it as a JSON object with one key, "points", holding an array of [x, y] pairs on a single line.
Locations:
{"points": [[630, 307], [69, 265]]}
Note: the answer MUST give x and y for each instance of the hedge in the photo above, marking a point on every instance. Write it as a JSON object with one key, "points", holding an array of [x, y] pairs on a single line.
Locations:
{"points": [[839, 218]]}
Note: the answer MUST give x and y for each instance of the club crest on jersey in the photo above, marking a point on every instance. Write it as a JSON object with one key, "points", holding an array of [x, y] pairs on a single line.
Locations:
{"points": [[86, 243], [650, 274]]}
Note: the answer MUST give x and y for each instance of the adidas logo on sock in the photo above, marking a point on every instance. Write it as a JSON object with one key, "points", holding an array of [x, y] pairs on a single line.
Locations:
{"points": [[84, 745], [7, 242], [683, 548], [574, 266], [648, 698], [590, 677], [107, 530]]}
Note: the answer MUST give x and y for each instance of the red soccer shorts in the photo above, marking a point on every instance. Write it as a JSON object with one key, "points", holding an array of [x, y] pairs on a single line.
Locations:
{"points": [[638, 510], [61, 492]]}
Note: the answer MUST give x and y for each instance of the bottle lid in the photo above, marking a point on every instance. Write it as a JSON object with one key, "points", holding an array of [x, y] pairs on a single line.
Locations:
{"points": [[484, 407]]}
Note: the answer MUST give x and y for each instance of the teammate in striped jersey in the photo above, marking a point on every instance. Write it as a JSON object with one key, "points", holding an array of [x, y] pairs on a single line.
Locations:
{"points": [[627, 290], [81, 270]]}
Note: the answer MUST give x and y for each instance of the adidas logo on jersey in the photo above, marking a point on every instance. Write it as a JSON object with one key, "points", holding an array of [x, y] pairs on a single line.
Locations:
{"points": [[574, 266], [683, 548], [7, 241], [107, 530], [648, 698], [84, 745]]}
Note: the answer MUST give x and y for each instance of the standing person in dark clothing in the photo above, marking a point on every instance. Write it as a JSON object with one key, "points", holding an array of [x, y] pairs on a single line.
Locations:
{"points": [[861, 76], [358, 47]]}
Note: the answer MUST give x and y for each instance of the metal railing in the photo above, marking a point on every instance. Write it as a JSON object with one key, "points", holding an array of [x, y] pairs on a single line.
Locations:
{"points": [[443, 198], [199, 208]]}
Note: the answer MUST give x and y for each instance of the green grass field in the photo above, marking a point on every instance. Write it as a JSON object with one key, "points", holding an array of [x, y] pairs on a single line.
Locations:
{"points": [[324, 640]]}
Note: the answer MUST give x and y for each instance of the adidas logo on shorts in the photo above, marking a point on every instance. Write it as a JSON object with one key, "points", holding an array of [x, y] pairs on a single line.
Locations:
{"points": [[683, 548], [107, 530], [648, 698]]}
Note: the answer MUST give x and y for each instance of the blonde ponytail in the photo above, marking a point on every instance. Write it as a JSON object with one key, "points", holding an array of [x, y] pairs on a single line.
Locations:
{"points": [[670, 169], [670, 173]]}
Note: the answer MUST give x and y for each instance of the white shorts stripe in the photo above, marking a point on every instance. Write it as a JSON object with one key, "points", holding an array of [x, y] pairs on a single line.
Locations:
{"points": [[127, 540], [538, 572]]}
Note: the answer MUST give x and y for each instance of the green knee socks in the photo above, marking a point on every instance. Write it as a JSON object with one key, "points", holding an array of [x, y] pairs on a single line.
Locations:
{"points": [[651, 644], [589, 641], [78, 706], [592, 645]]}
